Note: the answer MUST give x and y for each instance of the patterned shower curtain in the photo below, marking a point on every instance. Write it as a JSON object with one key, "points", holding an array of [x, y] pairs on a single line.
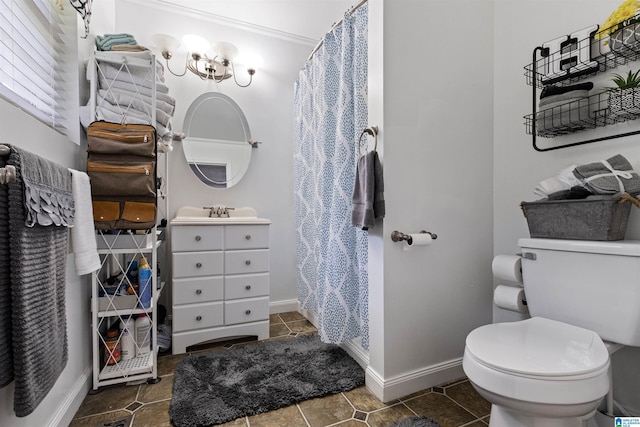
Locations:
{"points": [[330, 111]]}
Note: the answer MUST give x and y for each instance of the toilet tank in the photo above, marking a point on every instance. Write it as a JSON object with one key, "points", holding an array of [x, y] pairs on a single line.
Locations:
{"points": [[595, 285]]}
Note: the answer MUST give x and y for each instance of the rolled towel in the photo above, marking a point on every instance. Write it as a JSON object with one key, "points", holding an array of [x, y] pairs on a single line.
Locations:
{"points": [[612, 176]]}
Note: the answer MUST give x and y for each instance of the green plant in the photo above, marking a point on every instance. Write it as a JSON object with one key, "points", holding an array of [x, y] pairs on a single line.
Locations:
{"points": [[632, 80]]}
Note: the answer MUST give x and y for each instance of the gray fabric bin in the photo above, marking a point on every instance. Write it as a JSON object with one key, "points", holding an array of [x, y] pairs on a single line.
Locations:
{"points": [[593, 218]]}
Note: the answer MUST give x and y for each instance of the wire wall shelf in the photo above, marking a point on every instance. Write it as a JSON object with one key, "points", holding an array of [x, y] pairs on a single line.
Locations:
{"points": [[579, 60]]}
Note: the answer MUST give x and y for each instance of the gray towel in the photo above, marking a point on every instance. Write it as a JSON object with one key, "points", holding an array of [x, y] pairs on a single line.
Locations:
{"points": [[368, 192], [6, 349], [48, 197], [38, 259], [612, 176]]}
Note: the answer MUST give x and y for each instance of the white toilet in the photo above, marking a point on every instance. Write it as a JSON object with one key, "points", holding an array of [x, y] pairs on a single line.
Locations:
{"points": [[552, 370]]}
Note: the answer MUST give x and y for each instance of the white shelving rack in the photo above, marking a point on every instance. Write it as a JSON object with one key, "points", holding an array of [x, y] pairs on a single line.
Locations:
{"points": [[118, 250], [116, 253]]}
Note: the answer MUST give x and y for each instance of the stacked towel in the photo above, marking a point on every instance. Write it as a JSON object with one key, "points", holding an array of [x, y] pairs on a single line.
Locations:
{"points": [[612, 176], [368, 192], [38, 258], [125, 93], [564, 108], [562, 181], [107, 41]]}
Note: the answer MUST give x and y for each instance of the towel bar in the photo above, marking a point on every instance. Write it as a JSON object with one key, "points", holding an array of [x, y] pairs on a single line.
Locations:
{"points": [[398, 236], [7, 173]]}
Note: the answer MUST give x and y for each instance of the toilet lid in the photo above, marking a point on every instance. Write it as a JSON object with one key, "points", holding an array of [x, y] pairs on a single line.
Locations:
{"points": [[539, 347]]}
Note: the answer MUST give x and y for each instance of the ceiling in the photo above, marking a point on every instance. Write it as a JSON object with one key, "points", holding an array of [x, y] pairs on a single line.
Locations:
{"points": [[306, 18]]}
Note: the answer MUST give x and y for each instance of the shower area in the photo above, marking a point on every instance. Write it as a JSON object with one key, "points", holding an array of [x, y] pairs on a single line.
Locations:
{"points": [[330, 111]]}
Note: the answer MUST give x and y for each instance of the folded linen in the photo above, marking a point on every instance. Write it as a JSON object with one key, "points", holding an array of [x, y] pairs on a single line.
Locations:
{"points": [[136, 100], [368, 192], [83, 240], [612, 176], [558, 90], [108, 40], [566, 97], [563, 180], [128, 48], [130, 106], [564, 116], [132, 88], [132, 75]]}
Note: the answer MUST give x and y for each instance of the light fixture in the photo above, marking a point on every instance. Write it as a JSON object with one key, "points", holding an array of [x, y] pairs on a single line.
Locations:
{"points": [[215, 63]]}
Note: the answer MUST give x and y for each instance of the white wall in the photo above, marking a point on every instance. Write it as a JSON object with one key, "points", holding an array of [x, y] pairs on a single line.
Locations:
{"points": [[268, 106], [520, 26], [61, 403], [430, 91]]}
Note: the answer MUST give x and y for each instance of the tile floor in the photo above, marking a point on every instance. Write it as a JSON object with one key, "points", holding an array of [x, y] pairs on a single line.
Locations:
{"points": [[455, 404]]}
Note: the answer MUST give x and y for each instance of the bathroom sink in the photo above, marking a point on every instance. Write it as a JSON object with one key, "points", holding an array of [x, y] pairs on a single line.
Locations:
{"points": [[193, 215]]}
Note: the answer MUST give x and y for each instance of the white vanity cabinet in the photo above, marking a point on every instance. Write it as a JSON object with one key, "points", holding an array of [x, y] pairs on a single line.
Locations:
{"points": [[220, 280]]}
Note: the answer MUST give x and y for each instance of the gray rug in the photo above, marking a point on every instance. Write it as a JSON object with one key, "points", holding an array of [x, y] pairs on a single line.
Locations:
{"points": [[220, 386], [415, 422]]}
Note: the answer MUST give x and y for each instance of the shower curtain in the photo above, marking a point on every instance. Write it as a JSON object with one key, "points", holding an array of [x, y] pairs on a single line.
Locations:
{"points": [[330, 111]]}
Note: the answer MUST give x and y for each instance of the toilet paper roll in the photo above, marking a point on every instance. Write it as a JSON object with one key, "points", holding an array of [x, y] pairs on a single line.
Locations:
{"points": [[418, 239], [507, 267], [510, 298]]}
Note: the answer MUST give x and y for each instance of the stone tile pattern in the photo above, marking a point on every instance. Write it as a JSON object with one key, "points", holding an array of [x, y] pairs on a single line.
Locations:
{"points": [[455, 404]]}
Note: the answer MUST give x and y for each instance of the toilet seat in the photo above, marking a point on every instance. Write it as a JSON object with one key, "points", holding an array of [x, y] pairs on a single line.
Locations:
{"points": [[538, 360], [538, 347]]}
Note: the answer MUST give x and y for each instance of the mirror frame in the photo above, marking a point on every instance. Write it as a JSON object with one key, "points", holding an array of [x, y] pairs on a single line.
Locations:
{"points": [[188, 123]]}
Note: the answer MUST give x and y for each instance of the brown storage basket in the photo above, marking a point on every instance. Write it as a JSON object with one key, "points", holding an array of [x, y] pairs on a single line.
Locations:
{"points": [[593, 218]]}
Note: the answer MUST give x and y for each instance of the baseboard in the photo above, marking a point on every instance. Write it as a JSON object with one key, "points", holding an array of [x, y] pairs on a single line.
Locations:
{"points": [[356, 351], [402, 385], [283, 306], [68, 408]]}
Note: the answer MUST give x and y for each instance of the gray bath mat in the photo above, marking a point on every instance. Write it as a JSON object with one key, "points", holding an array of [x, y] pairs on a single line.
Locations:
{"points": [[415, 422], [220, 386]]}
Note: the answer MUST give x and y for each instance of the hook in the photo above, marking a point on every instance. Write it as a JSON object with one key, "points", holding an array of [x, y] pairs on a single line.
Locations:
{"points": [[373, 131]]}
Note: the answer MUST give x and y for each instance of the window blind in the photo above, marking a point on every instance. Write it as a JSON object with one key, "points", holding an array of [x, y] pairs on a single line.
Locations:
{"points": [[33, 42]]}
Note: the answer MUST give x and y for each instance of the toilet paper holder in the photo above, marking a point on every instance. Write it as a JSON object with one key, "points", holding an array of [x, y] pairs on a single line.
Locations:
{"points": [[398, 236]]}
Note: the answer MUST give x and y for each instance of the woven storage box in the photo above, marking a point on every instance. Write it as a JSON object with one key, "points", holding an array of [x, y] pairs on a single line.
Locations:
{"points": [[593, 218]]}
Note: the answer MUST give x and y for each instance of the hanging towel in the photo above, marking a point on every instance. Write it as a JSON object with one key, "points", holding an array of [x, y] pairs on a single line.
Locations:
{"points": [[612, 176], [38, 259], [83, 240], [47, 186], [368, 192], [6, 349]]}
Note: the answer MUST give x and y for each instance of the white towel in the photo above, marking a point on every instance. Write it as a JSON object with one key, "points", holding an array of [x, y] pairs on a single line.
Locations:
{"points": [[83, 235]]}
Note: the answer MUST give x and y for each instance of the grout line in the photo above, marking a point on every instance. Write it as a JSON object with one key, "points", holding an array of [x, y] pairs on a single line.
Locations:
{"points": [[460, 405], [303, 416]]}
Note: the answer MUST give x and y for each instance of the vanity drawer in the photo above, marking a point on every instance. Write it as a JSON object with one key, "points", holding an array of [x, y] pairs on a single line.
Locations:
{"points": [[246, 237], [198, 290], [196, 238], [246, 310], [195, 264], [254, 261], [198, 316], [246, 286]]}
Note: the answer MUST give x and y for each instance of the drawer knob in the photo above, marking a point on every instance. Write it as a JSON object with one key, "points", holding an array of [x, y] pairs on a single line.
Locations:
{"points": [[248, 237], [198, 318], [248, 287], [199, 265], [248, 312], [198, 291], [248, 262], [198, 238]]}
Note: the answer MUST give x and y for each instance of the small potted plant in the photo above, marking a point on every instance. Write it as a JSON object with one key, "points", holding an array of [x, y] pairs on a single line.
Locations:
{"points": [[624, 97]]}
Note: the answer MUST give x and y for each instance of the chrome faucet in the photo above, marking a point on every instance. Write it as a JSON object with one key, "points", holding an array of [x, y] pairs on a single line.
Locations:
{"points": [[218, 211]]}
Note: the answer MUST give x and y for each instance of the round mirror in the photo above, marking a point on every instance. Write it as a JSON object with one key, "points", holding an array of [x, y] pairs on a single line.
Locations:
{"points": [[216, 143]]}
